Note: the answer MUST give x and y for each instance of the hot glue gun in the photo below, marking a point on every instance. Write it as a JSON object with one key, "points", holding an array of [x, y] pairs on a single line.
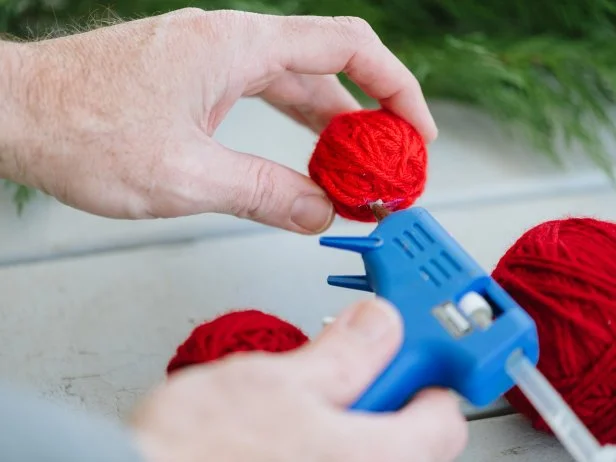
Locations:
{"points": [[462, 331]]}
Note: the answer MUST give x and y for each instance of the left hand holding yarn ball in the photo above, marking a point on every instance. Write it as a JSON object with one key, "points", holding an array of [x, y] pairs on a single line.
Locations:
{"points": [[170, 164], [288, 399]]}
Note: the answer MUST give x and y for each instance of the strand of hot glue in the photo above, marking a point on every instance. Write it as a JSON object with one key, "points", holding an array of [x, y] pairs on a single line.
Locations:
{"points": [[547, 401]]}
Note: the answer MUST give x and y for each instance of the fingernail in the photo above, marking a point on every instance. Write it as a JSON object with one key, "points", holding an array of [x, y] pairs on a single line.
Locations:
{"points": [[373, 320], [313, 213]]}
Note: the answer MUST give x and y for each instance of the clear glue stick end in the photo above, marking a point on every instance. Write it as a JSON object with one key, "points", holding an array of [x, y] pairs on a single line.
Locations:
{"points": [[567, 427], [606, 454]]}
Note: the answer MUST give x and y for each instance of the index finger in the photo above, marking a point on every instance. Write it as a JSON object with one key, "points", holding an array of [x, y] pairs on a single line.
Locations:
{"points": [[329, 45]]}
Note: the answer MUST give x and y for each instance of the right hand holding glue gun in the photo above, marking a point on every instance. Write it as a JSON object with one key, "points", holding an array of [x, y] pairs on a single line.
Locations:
{"points": [[293, 406]]}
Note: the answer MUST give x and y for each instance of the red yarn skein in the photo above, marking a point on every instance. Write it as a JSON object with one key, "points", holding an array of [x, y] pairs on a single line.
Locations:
{"points": [[563, 273], [248, 330], [368, 155]]}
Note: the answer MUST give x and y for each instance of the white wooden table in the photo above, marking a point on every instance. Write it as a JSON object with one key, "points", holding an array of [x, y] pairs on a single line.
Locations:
{"points": [[92, 309]]}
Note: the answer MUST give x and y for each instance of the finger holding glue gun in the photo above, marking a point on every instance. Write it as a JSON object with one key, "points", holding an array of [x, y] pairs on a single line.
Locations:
{"points": [[462, 331]]}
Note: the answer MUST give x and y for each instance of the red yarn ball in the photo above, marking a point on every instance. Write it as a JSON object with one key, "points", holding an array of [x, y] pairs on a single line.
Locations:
{"points": [[563, 273], [368, 155], [248, 330]]}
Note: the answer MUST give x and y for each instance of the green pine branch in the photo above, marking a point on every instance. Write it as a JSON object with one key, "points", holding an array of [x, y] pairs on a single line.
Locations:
{"points": [[546, 70], [552, 91], [21, 195]]}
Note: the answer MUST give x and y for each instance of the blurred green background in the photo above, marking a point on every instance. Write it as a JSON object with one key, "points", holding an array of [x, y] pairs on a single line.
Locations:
{"points": [[545, 69]]}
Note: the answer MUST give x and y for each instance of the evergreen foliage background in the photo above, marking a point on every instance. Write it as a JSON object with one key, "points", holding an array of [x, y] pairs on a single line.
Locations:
{"points": [[545, 69]]}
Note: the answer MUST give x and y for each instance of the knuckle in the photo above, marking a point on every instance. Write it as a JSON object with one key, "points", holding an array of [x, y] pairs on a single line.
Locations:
{"points": [[212, 24], [356, 27], [190, 18], [191, 12], [194, 20], [343, 362], [262, 192], [243, 22], [230, 16]]}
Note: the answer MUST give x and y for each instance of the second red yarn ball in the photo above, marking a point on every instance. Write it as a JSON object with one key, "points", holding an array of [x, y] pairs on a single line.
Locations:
{"points": [[563, 273], [236, 331], [369, 155]]}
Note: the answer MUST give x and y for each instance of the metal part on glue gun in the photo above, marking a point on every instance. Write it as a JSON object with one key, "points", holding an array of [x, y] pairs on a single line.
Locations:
{"points": [[472, 304]]}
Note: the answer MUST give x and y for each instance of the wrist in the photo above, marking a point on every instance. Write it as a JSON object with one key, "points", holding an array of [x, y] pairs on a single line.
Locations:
{"points": [[11, 114]]}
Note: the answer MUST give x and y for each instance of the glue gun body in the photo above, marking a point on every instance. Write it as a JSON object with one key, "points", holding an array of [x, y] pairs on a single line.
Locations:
{"points": [[460, 326]]}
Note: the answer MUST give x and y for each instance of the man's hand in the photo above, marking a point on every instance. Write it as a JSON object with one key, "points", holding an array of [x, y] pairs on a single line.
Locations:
{"points": [[292, 406], [119, 121]]}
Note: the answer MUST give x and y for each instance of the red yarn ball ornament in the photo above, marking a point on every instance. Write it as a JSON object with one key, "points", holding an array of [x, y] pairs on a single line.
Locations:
{"points": [[369, 155], [248, 330], [563, 273]]}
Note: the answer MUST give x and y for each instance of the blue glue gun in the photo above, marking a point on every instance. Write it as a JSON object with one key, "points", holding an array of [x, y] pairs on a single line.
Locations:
{"points": [[460, 327]]}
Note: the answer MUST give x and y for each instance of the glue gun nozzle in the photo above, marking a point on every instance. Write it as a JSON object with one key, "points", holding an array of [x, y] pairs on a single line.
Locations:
{"points": [[379, 210]]}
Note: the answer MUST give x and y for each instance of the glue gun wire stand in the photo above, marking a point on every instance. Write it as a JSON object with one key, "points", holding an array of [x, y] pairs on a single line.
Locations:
{"points": [[485, 342]]}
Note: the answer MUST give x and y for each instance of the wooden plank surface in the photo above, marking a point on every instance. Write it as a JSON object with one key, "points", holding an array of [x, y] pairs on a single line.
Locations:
{"points": [[511, 439], [470, 163]]}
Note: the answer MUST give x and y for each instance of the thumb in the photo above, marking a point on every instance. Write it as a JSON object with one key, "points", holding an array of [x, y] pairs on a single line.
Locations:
{"points": [[266, 192], [352, 352]]}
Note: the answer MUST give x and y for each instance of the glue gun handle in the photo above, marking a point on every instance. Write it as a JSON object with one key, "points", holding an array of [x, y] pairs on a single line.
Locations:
{"points": [[410, 371]]}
